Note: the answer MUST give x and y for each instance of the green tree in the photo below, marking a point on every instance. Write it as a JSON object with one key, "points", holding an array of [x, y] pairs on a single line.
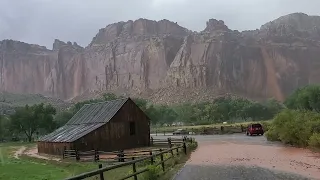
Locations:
{"points": [[153, 114], [63, 117], [165, 114], [142, 103], [256, 111], [306, 98], [105, 97], [274, 106], [4, 127], [75, 108], [295, 127], [109, 97], [185, 113], [29, 120]]}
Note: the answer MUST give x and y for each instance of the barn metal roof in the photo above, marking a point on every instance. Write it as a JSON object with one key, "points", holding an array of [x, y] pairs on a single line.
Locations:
{"points": [[87, 119], [70, 133], [97, 112]]}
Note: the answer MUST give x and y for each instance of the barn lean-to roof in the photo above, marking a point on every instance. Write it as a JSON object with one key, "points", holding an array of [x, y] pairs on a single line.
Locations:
{"points": [[89, 118], [97, 112]]}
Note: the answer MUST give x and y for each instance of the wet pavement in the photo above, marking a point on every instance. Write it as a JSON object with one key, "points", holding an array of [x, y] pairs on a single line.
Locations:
{"points": [[215, 172], [224, 157]]}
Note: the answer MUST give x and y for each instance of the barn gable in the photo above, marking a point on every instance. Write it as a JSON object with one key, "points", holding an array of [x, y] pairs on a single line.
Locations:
{"points": [[89, 118]]}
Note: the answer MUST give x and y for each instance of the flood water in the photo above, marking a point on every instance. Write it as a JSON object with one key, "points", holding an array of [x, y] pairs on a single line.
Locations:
{"points": [[240, 150]]}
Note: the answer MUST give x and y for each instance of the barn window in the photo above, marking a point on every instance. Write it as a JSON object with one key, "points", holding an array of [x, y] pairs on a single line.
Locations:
{"points": [[132, 128]]}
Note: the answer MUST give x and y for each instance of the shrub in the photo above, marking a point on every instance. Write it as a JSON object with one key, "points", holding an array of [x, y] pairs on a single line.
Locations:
{"points": [[175, 161], [152, 173], [294, 127], [266, 125], [272, 134], [192, 146], [314, 140]]}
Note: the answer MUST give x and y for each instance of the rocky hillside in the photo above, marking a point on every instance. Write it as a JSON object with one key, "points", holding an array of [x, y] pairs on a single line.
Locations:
{"points": [[9, 101], [167, 63]]}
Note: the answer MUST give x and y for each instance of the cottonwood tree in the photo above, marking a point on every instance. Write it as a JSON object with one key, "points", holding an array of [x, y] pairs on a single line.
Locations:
{"points": [[3, 127], [30, 119], [306, 98]]}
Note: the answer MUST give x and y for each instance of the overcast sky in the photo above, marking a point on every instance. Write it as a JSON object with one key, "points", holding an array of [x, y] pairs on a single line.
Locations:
{"points": [[42, 21]]}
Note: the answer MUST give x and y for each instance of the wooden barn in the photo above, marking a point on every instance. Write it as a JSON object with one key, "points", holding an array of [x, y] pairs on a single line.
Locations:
{"points": [[106, 126]]}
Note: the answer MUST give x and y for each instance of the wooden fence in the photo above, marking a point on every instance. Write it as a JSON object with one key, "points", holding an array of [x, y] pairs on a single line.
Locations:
{"points": [[122, 156], [174, 151]]}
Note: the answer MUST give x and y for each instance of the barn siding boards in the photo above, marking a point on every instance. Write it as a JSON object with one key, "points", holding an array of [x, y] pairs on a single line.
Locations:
{"points": [[53, 148], [100, 126]]}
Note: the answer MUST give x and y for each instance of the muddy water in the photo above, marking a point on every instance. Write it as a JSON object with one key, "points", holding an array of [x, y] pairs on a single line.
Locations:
{"points": [[256, 152]]}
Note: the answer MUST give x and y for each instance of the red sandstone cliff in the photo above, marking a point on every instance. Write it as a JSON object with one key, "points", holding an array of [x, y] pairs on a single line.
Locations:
{"points": [[168, 63]]}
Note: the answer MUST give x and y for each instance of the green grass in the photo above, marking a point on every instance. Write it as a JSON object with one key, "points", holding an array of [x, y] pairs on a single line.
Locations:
{"points": [[27, 168]]}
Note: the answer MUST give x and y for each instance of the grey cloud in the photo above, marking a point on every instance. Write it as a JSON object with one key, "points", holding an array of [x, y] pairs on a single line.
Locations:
{"points": [[41, 21]]}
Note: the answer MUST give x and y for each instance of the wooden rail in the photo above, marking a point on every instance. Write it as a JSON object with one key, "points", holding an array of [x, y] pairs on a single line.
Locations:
{"points": [[121, 156], [151, 158]]}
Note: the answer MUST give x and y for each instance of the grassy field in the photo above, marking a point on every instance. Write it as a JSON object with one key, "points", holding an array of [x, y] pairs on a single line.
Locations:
{"points": [[237, 125], [27, 168]]}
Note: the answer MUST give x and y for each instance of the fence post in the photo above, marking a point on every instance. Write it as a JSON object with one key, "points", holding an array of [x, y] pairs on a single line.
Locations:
{"points": [[64, 150], [151, 158], [120, 156], [151, 139], [177, 151], [96, 155], [156, 133], [101, 173], [222, 129], [184, 148], [77, 155], [169, 143], [161, 157], [134, 169]]}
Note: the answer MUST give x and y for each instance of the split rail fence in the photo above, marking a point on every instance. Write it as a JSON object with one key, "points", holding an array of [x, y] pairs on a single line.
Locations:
{"points": [[121, 155], [157, 158]]}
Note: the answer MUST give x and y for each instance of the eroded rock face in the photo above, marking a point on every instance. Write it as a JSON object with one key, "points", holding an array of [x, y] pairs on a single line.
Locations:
{"points": [[168, 63], [24, 67], [216, 25]]}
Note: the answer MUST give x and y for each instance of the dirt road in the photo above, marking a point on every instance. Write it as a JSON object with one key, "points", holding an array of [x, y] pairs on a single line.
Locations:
{"points": [[224, 157], [19, 152]]}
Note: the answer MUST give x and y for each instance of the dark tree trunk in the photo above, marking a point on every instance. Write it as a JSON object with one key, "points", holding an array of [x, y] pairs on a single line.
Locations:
{"points": [[29, 138]]}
